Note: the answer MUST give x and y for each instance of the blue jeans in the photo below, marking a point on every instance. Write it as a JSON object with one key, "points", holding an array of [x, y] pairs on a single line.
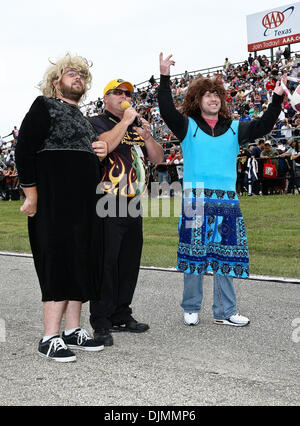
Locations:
{"points": [[224, 295]]}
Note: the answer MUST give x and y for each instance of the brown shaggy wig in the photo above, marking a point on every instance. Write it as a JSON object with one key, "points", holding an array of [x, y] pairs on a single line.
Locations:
{"points": [[195, 92]]}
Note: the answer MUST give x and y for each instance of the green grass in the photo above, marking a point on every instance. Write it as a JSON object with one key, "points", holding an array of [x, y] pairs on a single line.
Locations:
{"points": [[273, 230], [13, 228]]}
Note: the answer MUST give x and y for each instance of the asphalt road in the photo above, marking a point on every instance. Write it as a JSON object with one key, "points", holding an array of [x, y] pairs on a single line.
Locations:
{"points": [[170, 365]]}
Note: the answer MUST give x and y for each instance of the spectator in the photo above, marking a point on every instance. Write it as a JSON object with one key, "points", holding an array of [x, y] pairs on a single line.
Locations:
{"points": [[296, 158], [163, 177], [245, 116], [99, 104], [91, 109], [280, 147], [263, 110], [286, 129], [251, 109], [268, 152], [14, 133], [278, 54], [257, 150], [179, 166], [172, 156], [227, 64], [2, 183], [11, 184], [287, 53], [257, 100], [186, 76], [152, 80], [269, 96]]}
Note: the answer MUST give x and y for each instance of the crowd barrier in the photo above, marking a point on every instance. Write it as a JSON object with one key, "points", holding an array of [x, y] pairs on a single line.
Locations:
{"points": [[264, 176], [255, 176], [260, 176]]}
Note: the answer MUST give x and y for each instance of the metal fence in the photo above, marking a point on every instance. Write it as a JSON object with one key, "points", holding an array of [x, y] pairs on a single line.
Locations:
{"points": [[253, 177], [278, 135]]}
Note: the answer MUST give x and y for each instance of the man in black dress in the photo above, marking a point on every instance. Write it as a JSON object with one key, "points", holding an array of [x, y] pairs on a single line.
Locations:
{"points": [[123, 181], [55, 141]]}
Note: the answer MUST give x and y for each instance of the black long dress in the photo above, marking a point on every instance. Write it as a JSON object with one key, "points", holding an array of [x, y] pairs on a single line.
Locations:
{"points": [[54, 153]]}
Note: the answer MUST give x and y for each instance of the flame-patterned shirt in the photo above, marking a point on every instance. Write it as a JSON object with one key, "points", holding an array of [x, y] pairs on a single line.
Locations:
{"points": [[125, 169]]}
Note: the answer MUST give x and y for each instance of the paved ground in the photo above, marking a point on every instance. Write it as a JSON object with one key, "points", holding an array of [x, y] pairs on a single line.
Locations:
{"points": [[171, 364]]}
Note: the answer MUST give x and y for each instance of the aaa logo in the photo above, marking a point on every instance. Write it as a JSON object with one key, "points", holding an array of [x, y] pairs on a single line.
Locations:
{"points": [[273, 20]]}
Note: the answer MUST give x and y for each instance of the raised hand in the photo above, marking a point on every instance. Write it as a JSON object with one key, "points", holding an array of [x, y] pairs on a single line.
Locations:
{"points": [[165, 64], [278, 88]]}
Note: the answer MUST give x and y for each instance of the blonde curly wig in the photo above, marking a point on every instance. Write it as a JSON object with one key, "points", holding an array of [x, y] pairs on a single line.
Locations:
{"points": [[56, 70]]}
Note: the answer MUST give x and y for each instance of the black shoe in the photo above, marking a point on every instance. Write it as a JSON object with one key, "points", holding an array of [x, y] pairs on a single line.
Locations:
{"points": [[103, 337], [132, 326], [80, 339], [56, 349]]}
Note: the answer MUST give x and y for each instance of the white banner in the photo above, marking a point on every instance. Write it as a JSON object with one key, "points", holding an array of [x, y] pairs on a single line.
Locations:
{"points": [[274, 27]]}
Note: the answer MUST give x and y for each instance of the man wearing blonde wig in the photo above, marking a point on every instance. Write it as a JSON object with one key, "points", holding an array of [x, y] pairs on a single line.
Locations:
{"points": [[59, 172]]}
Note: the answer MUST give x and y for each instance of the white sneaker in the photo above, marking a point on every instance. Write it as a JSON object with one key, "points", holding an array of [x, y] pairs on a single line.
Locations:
{"points": [[191, 318], [236, 320]]}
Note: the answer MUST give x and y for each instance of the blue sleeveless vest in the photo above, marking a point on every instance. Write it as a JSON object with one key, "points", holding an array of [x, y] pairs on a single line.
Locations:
{"points": [[211, 160]]}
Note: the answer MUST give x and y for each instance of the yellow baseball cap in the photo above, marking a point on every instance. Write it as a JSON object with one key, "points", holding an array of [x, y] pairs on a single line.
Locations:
{"points": [[113, 84]]}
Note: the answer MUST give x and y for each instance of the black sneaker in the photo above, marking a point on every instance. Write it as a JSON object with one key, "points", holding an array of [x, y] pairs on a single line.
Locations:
{"points": [[56, 349], [103, 337], [80, 339], [132, 326]]}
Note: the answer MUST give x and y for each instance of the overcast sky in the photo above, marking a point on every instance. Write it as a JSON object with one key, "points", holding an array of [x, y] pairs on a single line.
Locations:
{"points": [[122, 39]]}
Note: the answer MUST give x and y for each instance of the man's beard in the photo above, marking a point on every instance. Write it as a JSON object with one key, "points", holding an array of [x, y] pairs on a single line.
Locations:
{"points": [[74, 93]]}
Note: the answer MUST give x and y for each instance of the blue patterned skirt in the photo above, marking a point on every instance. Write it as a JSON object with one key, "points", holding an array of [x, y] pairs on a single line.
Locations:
{"points": [[212, 235]]}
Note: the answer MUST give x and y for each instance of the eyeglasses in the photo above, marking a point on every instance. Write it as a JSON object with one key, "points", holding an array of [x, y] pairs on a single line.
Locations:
{"points": [[73, 73], [119, 92]]}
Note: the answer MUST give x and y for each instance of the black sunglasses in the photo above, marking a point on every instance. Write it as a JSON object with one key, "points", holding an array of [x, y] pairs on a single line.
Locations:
{"points": [[119, 92]]}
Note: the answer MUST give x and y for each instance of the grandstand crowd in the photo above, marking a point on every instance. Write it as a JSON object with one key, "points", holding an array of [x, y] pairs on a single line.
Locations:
{"points": [[249, 86]]}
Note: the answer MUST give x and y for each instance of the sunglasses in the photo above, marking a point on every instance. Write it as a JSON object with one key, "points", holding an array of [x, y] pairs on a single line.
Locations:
{"points": [[119, 92]]}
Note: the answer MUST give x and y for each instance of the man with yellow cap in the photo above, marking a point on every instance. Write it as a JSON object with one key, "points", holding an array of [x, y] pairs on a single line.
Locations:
{"points": [[130, 145]]}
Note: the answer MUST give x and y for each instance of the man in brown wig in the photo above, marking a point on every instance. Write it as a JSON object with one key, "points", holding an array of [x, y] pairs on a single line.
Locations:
{"points": [[212, 232]]}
